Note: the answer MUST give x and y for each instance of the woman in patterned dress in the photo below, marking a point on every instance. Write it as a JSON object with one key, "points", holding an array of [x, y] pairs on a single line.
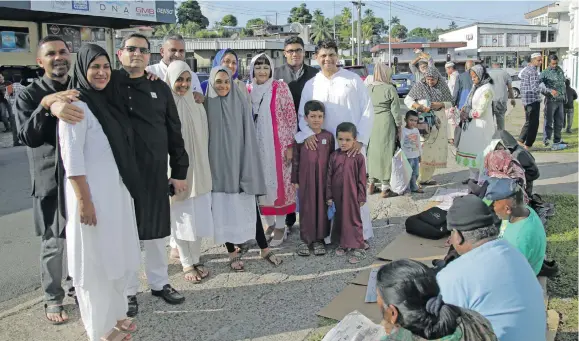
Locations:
{"points": [[276, 123]]}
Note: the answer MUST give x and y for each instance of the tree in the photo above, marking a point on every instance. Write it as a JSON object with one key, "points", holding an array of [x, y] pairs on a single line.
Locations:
{"points": [[246, 32], [300, 14], [420, 32], [318, 13], [435, 33], [189, 11], [399, 31], [378, 25], [254, 22], [187, 30], [395, 21], [229, 20], [164, 30], [452, 26], [344, 28], [321, 29]]}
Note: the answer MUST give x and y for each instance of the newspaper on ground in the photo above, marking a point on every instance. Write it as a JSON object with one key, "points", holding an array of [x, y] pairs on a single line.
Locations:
{"points": [[371, 295], [447, 195], [355, 327]]}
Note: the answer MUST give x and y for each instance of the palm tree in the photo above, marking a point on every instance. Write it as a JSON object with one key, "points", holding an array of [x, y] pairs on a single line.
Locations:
{"points": [[321, 29], [317, 13], [164, 30], [367, 31], [346, 16], [369, 13], [395, 21]]}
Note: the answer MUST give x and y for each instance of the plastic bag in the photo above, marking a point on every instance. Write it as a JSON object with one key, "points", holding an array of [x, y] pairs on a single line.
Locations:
{"points": [[401, 173]]}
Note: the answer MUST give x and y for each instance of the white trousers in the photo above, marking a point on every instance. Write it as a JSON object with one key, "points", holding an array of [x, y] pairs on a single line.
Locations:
{"points": [[155, 267], [101, 305], [277, 220], [189, 252]]}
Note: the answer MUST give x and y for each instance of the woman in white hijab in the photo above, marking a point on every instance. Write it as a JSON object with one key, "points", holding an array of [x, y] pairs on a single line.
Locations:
{"points": [[190, 210], [275, 124]]}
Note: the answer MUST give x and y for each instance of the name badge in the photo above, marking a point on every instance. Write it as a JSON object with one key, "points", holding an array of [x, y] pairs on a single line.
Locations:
{"points": [[154, 95], [324, 141]]}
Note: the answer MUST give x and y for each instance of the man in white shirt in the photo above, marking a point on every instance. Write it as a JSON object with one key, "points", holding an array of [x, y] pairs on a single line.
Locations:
{"points": [[174, 49], [346, 100], [501, 82]]}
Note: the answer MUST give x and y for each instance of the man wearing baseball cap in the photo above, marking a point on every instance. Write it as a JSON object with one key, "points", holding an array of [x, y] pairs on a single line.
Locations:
{"points": [[521, 225], [491, 276], [531, 98]]}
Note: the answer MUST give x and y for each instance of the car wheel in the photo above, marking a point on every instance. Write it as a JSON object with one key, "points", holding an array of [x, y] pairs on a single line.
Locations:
{"points": [[516, 92]]}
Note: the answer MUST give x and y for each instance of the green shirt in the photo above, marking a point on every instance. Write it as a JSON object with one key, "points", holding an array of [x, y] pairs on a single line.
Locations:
{"points": [[554, 79], [529, 237]]}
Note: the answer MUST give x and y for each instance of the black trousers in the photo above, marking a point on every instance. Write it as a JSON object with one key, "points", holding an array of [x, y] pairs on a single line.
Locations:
{"points": [[259, 234], [529, 131]]}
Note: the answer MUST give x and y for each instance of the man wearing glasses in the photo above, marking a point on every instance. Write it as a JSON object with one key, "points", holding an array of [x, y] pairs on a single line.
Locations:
{"points": [[157, 128], [296, 74]]}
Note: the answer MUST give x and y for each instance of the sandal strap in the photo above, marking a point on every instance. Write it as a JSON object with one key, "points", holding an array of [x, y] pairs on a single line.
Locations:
{"points": [[53, 309]]}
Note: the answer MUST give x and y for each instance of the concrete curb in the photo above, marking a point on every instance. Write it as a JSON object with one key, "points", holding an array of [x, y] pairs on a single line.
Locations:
{"points": [[17, 309]]}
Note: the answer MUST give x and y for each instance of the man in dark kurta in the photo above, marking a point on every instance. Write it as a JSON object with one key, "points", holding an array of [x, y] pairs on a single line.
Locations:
{"points": [[309, 171], [157, 128], [37, 130], [295, 73]]}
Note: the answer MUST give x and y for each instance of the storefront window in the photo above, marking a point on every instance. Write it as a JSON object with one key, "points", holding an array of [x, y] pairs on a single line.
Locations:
{"points": [[491, 40], [14, 39]]}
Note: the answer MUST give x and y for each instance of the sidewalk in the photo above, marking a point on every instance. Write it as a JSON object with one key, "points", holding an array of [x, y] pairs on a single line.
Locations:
{"points": [[266, 303]]}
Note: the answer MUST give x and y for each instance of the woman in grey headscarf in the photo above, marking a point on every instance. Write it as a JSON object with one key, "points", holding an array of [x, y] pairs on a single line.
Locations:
{"points": [[236, 168], [431, 95], [476, 117], [387, 122]]}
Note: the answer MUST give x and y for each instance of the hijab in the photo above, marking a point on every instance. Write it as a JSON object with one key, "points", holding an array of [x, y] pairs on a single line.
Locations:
{"points": [[217, 62], [382, 74], [484, 78], [194, 128], [437, 93], [259, 91], [500, 164], [115, 124]]}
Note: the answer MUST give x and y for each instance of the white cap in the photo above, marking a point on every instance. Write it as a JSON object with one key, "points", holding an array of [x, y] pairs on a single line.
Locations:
{"points": [[449, 64], [535, 55]]}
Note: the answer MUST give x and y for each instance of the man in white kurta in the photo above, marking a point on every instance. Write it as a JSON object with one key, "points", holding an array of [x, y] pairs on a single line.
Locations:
{"points": [[451, 81], [346, 100]]}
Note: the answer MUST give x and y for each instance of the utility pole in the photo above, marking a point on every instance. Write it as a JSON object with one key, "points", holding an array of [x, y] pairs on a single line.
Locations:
{"points": [[359, 5], [389, 36], [353, 56]]}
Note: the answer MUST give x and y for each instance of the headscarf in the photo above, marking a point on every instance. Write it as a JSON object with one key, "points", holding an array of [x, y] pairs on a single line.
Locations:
{"points": [[500, 164], [382, 74], [235, 167], [438, 93], [261, 96], [484, 78], [217, 62], [195, 131], [116, 124]]}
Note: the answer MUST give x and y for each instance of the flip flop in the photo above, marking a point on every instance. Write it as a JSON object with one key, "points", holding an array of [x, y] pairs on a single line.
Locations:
{"points": [[54, 309]]}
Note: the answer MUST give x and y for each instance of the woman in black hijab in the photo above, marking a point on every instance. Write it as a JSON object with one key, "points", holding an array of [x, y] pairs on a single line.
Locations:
{"points": [[101, 175]]}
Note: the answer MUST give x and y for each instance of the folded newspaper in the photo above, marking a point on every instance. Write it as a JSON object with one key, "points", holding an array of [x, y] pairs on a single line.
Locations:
{"points": [[355, 327]]}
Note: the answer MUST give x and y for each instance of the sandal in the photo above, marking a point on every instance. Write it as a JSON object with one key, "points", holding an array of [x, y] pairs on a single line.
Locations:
{"points": [[357, 256], [304, 250], [428, 183], [272, 258], [201, 271], [319, 249], [340, 251], [236, 260], [196, 278], [54, 309], [243, 248], [389, 194], [126, 325], [116, 335]]}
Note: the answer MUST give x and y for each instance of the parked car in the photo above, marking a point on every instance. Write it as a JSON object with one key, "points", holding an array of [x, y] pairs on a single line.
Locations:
{"points": [[403, 83], [360, 70]]}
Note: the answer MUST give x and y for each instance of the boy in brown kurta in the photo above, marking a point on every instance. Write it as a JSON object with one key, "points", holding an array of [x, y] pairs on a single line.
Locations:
{"points": [[309, 171], [346, 188]]}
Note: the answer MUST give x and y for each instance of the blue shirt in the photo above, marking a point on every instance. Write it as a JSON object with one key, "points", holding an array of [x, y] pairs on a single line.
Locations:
{"points": [[497, 281]]}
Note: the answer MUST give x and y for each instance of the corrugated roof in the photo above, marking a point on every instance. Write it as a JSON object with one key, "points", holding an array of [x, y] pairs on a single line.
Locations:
{"points": [[434, 44]]}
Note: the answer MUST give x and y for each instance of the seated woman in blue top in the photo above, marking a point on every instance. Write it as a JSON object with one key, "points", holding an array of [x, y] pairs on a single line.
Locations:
{"points": [[228, 58], [413, 309]]}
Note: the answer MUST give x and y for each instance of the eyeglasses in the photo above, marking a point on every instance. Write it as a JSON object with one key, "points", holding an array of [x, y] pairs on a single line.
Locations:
{"points": [[298, 51], [133, 49]]}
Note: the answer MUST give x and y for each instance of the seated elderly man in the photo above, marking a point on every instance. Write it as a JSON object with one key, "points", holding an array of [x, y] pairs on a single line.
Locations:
{"points": [[491, 276], [521, 226]]}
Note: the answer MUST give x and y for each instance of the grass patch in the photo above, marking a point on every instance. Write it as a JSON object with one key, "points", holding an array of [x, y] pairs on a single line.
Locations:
{"points": [[562, 238], [571, 139], [324, 326]]}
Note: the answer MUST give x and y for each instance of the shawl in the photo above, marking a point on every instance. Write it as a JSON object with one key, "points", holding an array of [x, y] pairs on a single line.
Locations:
{"points": [[195, 132], [500, 164], [483, 77], [261, 95], [437, 93], [116, 124], [233, 150], [382, 74]]}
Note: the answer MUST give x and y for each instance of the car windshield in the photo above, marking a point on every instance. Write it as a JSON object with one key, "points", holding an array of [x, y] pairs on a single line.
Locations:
{"points": [[360, 71]]}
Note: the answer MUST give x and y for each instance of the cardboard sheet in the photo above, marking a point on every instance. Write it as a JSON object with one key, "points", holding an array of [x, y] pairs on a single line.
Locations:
{"points": [[364, 275], [350, 299], [408, 246]]}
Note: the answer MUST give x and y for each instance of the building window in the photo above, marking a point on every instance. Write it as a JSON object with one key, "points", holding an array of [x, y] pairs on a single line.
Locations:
{"points": [[442, 50], [14, 39], [397, 52], [491, 40], [520, 39], [551, 36]]}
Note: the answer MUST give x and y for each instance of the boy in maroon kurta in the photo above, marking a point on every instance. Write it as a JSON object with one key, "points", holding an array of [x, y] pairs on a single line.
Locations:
{"points": [[309, 171], [346, 188]]}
